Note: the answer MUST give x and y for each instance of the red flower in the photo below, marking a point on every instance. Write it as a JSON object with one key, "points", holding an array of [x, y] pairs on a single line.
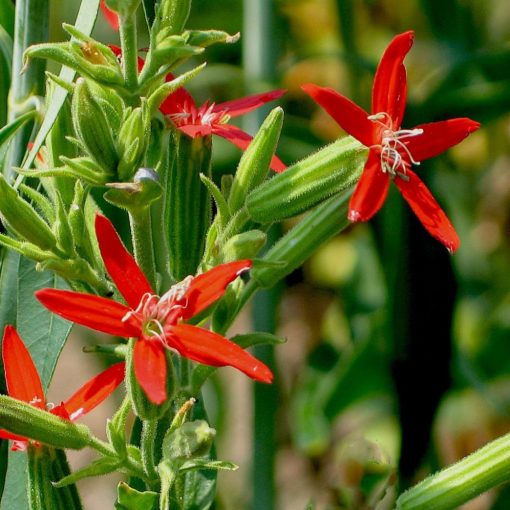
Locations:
{"points": [[110, 16], [211, 118], [23, 383], [157, 322], [393, 150]]}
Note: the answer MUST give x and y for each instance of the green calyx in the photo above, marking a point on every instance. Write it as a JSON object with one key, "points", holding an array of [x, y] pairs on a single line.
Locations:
{"points": [[26, 420], [309, 182]]}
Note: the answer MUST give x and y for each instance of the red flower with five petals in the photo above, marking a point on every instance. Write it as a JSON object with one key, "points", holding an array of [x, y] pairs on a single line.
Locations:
{"points": [[156, 322], [23, 383], [393, 150]]}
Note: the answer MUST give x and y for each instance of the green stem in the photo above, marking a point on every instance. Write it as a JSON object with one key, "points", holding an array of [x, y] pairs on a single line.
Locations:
{"points": [[129, 51], [141, 232], [457, 484], [148, 440]]}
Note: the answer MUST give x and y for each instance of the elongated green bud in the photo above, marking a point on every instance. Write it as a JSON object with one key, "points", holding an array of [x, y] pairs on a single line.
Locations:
{"points": [[26, 420], [244, 246], [190, 440], [309, 182], [23, 219], [92, 128], [133, 140], [205, 38], [144, 408], [254, 165], [457, 484], [300, 242], [188, 207]]}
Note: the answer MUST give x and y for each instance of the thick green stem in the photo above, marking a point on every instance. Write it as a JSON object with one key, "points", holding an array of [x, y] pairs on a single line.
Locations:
{"points": [[141, 232], [148, 440], [129, 51], [457, 484]]}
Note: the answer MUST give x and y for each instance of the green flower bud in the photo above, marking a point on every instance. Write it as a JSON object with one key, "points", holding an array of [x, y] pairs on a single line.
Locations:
{"points": [[254, 165], [244, 246], [26, 420], [205, 38], [92, 127], [309, 182], [172, 16], [142, 192], [192, 439], [23, 220], [133, 140]]}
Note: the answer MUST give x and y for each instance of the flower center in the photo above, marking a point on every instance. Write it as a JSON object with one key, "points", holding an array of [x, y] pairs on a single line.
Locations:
{"points": [[394, 153], [155, 312]]}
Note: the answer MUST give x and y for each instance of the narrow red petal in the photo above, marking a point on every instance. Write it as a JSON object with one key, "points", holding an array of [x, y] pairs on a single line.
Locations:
{"points": [[238, 107], [208, 287], [95, 391], [428, 210], [23, 381], [371, 190], [212, 349], [439, 136], [110, 16], [240, 139], [120, 264], [4, 434], [95, 312], [149, 361], [351, 117], [389, 93]]}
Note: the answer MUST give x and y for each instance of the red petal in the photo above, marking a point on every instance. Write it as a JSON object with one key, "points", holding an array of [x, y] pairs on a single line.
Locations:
{"points": [[242, 140], [149, 360], [4, 434], [371, 191], [238, 107], [120, 264], [389, 93], [428, 210], [439, 136], [110, 16], [95, 312], [23, 381], [95, 391], [177, 102], [351, 117], [61, 412], [208, 287], [210, 348]]}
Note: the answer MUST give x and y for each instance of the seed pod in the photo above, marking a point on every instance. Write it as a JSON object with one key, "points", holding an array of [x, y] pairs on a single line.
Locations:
{"points": [[309, 182]]}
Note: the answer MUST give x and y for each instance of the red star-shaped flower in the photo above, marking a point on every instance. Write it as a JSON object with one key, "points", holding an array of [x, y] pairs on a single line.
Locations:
{"points": [[211, 118], [23, 383], [392, 149], [157, 322]]}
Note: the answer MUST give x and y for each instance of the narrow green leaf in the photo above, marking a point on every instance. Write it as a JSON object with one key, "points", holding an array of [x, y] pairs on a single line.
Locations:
{"points": [[10, 129]]}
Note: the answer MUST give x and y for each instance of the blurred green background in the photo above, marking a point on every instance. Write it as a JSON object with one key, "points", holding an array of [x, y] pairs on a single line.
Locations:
{"points": [[398, 355]]}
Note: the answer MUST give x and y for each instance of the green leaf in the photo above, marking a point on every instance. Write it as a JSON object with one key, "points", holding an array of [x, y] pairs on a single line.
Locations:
{"points": [[5, 69], [85, 23], [131, 499], [219, 465], [10, 129]]}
